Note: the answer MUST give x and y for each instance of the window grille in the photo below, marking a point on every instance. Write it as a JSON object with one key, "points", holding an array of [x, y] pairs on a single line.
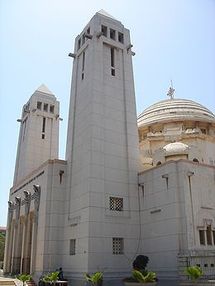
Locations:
{"points": [[116, 204], [118, 245]]}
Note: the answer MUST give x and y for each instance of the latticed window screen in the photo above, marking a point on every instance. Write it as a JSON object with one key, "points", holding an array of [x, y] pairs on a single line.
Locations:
{"points": [[72, 246], [116, 204], [118, 245]]}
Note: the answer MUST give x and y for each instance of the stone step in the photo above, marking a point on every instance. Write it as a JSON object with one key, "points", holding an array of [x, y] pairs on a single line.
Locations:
{"points": [[7, 283]]}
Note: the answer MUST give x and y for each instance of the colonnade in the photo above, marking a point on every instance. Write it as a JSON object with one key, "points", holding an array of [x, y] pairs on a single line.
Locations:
{"points": [[21, 235]]}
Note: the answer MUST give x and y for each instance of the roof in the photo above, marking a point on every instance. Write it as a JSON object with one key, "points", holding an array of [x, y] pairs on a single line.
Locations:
{"points": [[43, 88], [176, 148], [175, 110], [106, 14]]}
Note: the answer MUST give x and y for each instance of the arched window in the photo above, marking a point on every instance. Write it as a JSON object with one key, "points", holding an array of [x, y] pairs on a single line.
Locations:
{"points": [[195, 160], [158, 163]]}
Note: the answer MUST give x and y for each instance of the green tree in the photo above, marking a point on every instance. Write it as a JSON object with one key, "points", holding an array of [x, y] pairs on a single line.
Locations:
{"points": [[2, 245]]}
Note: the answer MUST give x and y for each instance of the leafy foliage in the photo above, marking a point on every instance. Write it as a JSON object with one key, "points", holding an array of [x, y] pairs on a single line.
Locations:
{"points": [[194, 272], [140, 262], [24, 277], [2, 245], [141, 278], [94, 279], [51, 277]]}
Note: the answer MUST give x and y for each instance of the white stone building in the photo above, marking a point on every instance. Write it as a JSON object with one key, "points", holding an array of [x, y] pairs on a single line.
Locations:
{"points": [[112, 198], [177, 146]]}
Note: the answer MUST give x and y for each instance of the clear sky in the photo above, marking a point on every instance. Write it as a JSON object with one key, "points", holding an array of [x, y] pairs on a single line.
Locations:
{"points": [[172, 39]]}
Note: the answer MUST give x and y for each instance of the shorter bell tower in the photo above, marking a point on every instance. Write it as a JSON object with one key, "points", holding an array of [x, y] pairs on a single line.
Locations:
{"points": [[39, 132]]}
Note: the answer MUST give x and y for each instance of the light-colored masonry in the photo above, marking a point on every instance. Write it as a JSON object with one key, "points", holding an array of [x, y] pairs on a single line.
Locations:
{"points": [[113, 197]]}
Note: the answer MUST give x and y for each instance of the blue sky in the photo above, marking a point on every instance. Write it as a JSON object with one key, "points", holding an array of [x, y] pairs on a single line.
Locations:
{"points": [[172, 39]]}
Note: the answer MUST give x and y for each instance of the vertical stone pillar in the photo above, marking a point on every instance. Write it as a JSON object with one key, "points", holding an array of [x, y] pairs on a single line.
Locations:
{"points": [[24, 221], [17, 207], [8, 249], [18, 248], [33, 243], [26, 258], [7, 256], [36, 197], [13, 255]]}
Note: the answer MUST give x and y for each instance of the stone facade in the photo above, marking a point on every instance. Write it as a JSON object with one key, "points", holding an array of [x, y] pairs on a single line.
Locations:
{"points": [[35, 220], [177, 202], [39, 132], [111, 199]]}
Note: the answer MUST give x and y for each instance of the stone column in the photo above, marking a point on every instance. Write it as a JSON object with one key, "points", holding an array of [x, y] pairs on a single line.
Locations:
{"points": [[17, 206], [13, 255], [33, 243], [8, 248], [26, 266], [24, 221], [18, 248], [7, 255]]}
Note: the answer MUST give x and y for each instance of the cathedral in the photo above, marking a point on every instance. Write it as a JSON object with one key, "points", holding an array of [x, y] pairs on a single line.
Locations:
{"points": [[128, 185]]}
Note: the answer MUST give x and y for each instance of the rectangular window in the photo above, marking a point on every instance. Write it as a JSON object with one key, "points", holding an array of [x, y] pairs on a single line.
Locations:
{"points": [[83, 66], [104, 31], [83, 39], [143, 189], [118, 245], [43, 136], [44, 125], [51, 109], [79, 44], [112, 61], [112, 34], [113, 72], [214, 236], [83, 61], [209, 235], [120, 37], [39, 105], [88, 30], [116, 204], [112, 57], [202, 237], [72, 246], [45, 107], [24, 128]]}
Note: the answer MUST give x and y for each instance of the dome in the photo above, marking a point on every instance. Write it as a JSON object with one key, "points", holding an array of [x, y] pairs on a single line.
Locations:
{"points": [[176, 148], [175, 110]]}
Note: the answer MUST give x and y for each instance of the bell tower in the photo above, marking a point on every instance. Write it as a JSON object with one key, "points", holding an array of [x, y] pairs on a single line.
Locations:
{"points": [[102, 151], [39, 132]]}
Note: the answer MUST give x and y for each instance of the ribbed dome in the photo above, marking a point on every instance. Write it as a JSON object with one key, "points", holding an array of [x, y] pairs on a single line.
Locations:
{"points": [[175, 110]]}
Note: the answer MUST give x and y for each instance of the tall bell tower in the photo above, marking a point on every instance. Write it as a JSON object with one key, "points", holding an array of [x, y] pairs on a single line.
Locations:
{"points": [[102, 230], [39, 132]]}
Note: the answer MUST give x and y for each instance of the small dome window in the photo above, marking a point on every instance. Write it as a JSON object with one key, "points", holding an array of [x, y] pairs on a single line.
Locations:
{"points": [[158, 163]]}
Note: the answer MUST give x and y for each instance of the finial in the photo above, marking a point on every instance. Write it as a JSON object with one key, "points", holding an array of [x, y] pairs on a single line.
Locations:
{"points": [[171, 91]]}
